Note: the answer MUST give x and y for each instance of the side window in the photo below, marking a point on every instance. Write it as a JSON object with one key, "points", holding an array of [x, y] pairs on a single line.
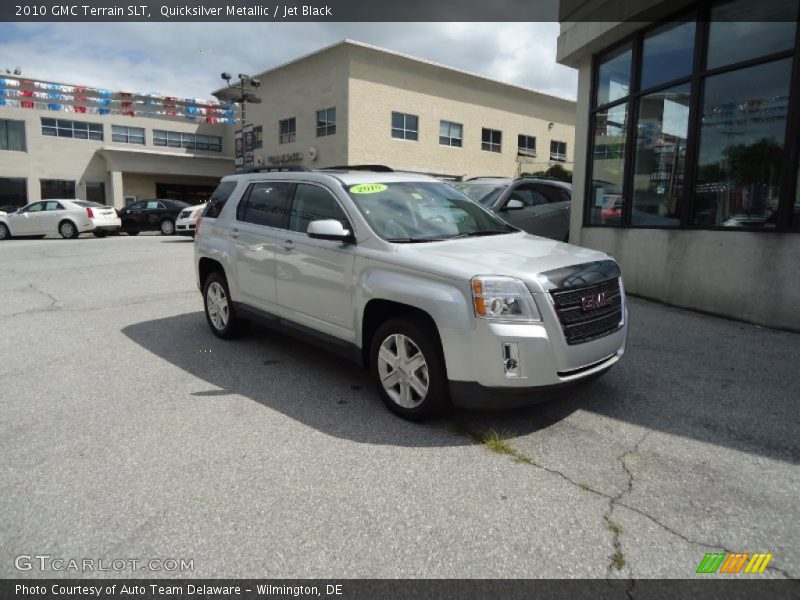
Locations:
{"points": [[553, 193], [218, 199], [265, 203], [136, 206], [153, 205], [528, 196], [313, 203], [37, 207], [53, 206]]}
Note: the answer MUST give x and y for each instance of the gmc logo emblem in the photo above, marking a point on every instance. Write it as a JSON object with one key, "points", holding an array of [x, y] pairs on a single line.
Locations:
{"points": [[593, 302]]}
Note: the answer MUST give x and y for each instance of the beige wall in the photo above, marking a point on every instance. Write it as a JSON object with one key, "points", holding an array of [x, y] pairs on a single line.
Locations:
{"points": [[381, 83], [84, 161], [299, 90]]}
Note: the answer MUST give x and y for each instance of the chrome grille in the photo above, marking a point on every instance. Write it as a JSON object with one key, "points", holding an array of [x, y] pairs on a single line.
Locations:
{"points": [[581, 325]]}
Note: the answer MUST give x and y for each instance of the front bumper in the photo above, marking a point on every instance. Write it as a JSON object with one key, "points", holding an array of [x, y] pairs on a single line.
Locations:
{"points": [[546, 365], [185, 226]]}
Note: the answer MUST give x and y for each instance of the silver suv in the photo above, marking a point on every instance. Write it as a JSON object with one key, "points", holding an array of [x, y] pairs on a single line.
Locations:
{"points": [[441, 299]]}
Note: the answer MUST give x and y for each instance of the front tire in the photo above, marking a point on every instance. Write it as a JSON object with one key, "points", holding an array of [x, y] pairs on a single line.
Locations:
{"points": [[68, 230], [220, 314], [408, 368], [167, 227], [5, 234]]}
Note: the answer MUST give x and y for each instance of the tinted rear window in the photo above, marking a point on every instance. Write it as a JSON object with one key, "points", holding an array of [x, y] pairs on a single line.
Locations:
{"points": [[88, 204], [218, 199]]}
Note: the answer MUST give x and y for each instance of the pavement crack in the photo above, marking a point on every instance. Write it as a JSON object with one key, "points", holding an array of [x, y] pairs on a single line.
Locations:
{"points": [[614, 501]]}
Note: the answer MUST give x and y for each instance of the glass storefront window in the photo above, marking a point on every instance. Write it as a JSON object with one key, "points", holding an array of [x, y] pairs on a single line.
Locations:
{"points": [[741, 146], [614, 76], [743, 29], [660, 157], [608, 165], [667, 54], [13, 193]]}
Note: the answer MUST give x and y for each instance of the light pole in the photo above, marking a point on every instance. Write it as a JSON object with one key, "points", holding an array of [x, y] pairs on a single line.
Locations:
{"points": [[244, 97]]}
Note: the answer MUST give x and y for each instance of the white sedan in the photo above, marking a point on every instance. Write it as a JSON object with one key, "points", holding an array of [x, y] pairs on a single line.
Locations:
{"points": [[187, 219], [70, 218]]}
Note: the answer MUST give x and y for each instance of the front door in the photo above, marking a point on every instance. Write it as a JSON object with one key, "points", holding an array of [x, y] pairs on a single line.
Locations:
{"points": [[260, 219], [538, 216], [52, 214], [314, 278], [28, 220]]}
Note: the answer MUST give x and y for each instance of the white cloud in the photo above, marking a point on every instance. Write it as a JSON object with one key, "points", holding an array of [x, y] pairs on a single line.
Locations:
{"points": [[185, 59]]}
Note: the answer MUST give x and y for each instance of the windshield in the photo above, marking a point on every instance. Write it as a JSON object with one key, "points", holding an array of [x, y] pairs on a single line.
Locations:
{"points": [[423, 212], [485, 193]]}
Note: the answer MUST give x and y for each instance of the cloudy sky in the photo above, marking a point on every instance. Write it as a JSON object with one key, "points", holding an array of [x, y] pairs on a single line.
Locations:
{"points": [[185, 59]]}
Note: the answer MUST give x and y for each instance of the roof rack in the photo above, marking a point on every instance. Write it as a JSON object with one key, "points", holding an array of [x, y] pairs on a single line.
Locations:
{"points": [[376, 168], [274, 168]]}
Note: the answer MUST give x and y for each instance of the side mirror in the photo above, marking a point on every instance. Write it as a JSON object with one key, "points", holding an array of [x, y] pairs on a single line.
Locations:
{"points": [[514, 204], [329, 229]]}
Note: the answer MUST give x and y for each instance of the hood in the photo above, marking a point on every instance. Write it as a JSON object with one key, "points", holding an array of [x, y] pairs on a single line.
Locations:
{"points": [[519, 255]]}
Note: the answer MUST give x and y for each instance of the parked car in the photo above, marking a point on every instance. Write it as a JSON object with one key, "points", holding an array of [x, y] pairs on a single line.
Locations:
{"points": [[70, 218], [440, 298], [151, 215], [186, 220], [538, 206]]}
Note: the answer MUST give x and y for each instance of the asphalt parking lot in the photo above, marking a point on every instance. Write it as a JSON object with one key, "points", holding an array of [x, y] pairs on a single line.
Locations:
{"points": [[129, 431]]}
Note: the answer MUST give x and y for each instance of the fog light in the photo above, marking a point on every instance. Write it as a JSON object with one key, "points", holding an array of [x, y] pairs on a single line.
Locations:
{"points": [[511, 359]]}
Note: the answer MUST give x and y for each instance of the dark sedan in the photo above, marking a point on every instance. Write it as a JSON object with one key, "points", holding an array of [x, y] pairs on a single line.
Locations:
{"points": [[151, 215]]}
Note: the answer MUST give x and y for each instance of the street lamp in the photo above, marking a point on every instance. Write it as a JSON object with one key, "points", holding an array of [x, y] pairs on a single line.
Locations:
{"points": [[244, 95]]}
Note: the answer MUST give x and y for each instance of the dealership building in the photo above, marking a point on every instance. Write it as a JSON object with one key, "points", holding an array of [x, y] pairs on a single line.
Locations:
{"points": [[686, 150], [69, 141], [352, 103]]}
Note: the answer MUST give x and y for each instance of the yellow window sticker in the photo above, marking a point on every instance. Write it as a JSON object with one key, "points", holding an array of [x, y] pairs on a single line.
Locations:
{"points": [[416, 195], [368, 188]]}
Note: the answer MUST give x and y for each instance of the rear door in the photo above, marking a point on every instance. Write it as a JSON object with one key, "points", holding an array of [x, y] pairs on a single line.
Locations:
{"points": [[560, 199], [314, 278], [261, 217], [51, 216], [154, 212]]}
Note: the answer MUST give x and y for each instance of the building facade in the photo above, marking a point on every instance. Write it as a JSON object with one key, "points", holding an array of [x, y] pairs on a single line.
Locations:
{"points": [[66, 141], [687, 135], [352, 103]]}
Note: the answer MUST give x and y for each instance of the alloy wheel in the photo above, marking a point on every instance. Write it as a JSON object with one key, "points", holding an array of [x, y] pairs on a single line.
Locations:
{"points": [[403, 370], [67, 230], [217, 305]]}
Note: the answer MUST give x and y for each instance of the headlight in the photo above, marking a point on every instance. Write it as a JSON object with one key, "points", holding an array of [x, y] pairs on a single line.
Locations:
{"points": [[503, 299]]}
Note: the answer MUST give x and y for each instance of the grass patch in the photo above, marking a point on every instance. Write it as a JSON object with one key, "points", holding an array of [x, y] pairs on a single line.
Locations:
{"points": [[613, 528], [492, 441], [617, 560]]}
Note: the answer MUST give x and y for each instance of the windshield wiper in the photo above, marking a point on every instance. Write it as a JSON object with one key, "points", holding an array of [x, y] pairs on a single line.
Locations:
{"points": [[479, 232], [410, 240]]}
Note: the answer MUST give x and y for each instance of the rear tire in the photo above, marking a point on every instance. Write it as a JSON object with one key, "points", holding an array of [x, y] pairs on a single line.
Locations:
{"points": [[68, 230], [407, 366], [220, 313], [5, 234], [167, 227]]}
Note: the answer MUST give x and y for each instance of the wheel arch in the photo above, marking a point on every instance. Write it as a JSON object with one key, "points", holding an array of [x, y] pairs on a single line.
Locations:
{"points": [[206, 266]]}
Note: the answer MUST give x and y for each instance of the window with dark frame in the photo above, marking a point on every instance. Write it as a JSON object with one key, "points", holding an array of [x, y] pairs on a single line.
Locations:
{"points": [[12, 135], [258, 136], [127, 135], [558, 151], [526, 145], [57, 189], [491, 140], [287, 130], [451, 134], [405, 126], [189, 141], [326, 121], [79, 130], [96, 191], [709, 110], [13, 192]]}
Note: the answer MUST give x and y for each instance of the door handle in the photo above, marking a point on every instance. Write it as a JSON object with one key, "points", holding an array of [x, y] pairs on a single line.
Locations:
{"points": [[235, 233], [288, 245]]}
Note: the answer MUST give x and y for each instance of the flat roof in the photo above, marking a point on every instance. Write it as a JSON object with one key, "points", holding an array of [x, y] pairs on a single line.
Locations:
{"points": [[221, 92]]}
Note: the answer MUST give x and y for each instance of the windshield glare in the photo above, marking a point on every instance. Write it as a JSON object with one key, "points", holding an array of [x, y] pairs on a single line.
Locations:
{"points": [[423, 211], [485, 193]]}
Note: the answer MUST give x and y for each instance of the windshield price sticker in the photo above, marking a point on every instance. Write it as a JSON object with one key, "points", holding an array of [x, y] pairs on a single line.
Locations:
{"points": [[368, 188]]}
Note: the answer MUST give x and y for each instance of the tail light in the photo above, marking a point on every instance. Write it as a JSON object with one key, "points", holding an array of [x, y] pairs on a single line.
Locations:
{"points": [[89, 213]]}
